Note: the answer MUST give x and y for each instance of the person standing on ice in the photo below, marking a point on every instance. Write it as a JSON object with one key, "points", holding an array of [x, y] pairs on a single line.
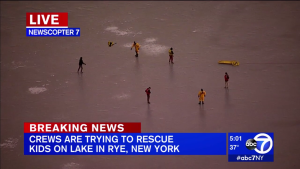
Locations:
{"points": [[201, 96], [148, 92], [171, 53], [80, 64], [226, 77], [137, 48]]}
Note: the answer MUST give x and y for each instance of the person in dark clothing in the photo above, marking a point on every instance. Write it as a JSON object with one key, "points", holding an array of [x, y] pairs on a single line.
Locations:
{"points": [[226, 77], [148, 92], [80, 64]]}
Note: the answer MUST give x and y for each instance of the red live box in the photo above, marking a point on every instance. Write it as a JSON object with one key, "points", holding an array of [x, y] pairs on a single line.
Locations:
{"points": [[47, 20]]}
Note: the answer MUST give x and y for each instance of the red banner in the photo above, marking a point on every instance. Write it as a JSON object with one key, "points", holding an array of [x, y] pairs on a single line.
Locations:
{"points": [[59, 19], [94, 127]]}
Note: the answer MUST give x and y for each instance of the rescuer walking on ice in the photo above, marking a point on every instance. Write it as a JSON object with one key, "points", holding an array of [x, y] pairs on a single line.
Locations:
{"points": [[171, 53], [201, 96], [80, 64], [148, 92], [137, 48]]}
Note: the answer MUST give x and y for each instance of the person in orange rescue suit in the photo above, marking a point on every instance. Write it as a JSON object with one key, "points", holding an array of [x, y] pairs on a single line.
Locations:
{"points": [[201, 96], [137, 48]]}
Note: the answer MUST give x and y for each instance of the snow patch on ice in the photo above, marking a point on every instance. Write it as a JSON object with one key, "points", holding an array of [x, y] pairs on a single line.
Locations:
{"points": [[155, 49], [9, 143], [71, 166], [150, 40], [138, 33], [128, 45], [116, 30], [113, 28], [37, 90], [122, 96]]}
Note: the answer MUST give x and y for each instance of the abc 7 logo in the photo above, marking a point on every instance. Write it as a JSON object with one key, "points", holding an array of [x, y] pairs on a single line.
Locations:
{"points": [[251, 144]]}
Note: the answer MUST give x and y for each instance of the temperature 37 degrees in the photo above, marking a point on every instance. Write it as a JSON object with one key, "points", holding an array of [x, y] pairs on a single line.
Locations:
{"points": [[233, 147]]}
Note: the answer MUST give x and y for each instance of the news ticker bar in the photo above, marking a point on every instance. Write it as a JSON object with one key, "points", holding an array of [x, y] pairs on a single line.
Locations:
{"points": [[125, 144], [151, 144], [53, 32], [126, 139]]}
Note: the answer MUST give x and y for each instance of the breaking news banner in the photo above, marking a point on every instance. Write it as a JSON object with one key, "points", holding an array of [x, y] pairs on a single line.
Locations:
{"points": [[49, 24], [250, 147], [116, 139]]}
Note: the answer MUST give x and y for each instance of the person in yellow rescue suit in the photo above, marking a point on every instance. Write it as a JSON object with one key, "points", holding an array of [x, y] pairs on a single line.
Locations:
{"points": [[201, 96], [171, 53], [110, 44], [137, 48]]}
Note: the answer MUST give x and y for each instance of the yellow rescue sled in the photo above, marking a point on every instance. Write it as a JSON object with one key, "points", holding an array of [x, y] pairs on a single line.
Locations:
{"points": [[233, 63]]}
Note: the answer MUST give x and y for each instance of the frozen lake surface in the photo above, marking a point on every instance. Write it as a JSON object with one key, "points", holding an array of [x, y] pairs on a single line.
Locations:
{"points": [[39, 82]]}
